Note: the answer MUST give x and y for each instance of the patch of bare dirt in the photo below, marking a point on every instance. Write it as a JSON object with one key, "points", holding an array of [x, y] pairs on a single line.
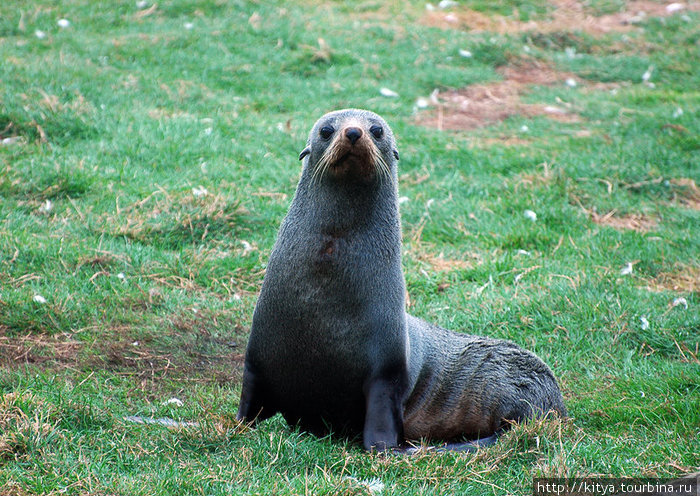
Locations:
{"points": [[635, 222], [480, 105], [427, 254], [441, 264], [567, 15], [206, 346], [187, 345], [686, 279], [533, 72], [688, 193], [500, 141]]}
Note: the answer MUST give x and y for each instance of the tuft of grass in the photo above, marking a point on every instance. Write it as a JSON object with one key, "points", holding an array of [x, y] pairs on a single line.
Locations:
{"points": [[174, 219]]}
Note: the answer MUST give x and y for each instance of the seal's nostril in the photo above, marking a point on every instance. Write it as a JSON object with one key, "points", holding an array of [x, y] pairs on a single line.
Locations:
{"points": [[353, 134]]}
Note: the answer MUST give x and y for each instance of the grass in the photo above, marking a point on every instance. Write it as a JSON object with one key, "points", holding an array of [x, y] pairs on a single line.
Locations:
{"points": [[113, 127]]}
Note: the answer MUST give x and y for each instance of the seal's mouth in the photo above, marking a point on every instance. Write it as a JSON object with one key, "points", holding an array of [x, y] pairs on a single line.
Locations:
{"points": [[353, 157], [343, 158]]}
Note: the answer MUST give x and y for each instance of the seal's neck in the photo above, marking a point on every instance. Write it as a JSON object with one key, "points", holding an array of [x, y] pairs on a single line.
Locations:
{"points": [[340, 204]]}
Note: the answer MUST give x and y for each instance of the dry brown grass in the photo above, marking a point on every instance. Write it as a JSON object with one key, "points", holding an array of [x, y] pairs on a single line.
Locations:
{"points": [[13, 489], [16, 427], [481, 105], [53, 104], [102, 259], [567, 15], [635, 222], [174, 216], [684, 278], [479, 142], [537, 436], [439, 263], [37, 349], [184, 345], [688, 193], [539, 178]]}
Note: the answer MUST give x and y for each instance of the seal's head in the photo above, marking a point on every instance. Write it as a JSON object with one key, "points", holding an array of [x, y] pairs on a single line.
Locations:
{"points": [[351, 144]]}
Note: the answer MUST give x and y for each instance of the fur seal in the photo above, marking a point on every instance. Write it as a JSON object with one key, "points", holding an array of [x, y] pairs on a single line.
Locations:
{"points": [[331, 345]]}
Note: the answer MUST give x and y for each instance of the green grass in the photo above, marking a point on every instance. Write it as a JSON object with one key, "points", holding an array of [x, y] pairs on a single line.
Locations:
{"points": [[150, 289]]}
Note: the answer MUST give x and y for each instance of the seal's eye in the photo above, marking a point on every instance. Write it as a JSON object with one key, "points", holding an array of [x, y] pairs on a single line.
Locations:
{"points": [[376, 131], [327, 132]]}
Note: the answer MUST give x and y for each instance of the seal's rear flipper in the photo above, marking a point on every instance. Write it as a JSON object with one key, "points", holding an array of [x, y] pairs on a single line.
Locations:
{"points": [[465, 447], [469, 446]]}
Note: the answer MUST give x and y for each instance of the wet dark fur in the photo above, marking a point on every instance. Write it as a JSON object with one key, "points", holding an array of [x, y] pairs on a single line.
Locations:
{"points": [[331, 345]]}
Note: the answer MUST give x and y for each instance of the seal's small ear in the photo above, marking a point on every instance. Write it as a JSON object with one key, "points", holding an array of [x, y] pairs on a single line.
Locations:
{"points": [[396, 154], [304, 152]]}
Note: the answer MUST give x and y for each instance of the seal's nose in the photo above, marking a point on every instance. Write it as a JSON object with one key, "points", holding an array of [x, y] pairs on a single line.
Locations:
{"points": [[353, 134]]}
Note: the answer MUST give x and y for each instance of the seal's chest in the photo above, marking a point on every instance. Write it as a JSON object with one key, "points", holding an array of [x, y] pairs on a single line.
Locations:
{"points": [[328, 248], [328, 251]]}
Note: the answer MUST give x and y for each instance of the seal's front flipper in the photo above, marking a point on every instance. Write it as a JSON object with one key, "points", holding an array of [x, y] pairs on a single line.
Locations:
{"points": [[383, 428], [251, 408]]}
